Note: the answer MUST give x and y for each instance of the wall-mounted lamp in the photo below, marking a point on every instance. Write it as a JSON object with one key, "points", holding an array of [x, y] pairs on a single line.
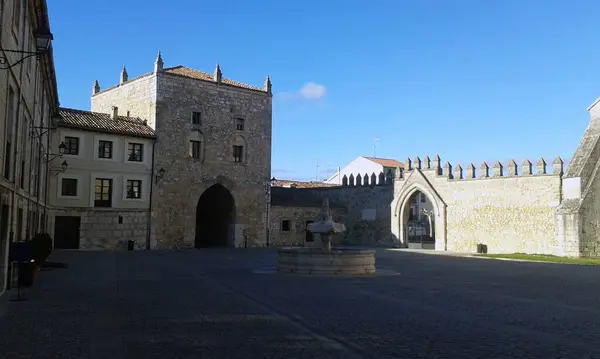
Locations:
{"points": [[61, 151], [43, 38], [159, 175], [63, 168]]}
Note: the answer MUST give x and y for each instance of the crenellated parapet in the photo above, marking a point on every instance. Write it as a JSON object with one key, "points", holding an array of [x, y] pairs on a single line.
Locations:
{"points": [[499, 169], [369, 180]]}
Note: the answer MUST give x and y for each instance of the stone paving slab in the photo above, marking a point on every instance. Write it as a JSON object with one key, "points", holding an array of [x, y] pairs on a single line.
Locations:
{"points": [[213, 304]]}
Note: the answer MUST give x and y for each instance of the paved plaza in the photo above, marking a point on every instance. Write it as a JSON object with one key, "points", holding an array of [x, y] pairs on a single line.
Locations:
{"points": [[228, 304]]}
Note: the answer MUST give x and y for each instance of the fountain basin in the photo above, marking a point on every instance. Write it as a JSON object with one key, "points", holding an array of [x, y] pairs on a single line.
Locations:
{"points": [[317, 261]]}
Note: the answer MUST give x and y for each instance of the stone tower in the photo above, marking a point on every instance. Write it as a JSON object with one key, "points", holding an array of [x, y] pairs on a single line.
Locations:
{"points": [[214, 147]]}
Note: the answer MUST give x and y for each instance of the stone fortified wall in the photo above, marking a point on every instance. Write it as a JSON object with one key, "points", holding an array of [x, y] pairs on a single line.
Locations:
{"points": [[364, 207], [509, 211]]}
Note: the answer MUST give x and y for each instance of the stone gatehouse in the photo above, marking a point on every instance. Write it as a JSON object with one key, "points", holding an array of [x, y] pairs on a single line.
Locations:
{"points": [[212, 156]]}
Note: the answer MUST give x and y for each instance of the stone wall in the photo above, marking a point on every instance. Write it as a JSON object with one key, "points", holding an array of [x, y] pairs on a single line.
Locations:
{"points": [[137, 96], [508, 212], [366, 209], [298, 216], [101, 230], [186, 178]]}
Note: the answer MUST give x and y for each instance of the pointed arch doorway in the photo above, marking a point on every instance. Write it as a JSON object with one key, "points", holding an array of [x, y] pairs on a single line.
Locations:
{"points": [[215, 218]]}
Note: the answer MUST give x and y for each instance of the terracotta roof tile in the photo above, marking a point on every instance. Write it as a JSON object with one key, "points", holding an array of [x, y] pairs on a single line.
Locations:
{"points": [[102, 122], [195, 74], [300, 184], [386, 162]]}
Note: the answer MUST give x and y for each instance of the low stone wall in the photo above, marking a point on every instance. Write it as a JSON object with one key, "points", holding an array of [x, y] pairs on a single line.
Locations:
{"points": [[101, 230], [350, 261]]}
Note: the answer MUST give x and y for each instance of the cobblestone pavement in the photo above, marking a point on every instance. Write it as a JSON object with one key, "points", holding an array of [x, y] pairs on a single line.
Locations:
{"points": [[214, 304]]}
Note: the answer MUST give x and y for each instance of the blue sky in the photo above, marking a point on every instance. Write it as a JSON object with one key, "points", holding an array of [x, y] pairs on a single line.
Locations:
{"points": [[470, 80]]}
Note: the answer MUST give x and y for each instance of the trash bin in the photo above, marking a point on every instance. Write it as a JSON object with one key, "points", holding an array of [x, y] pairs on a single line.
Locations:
{"points": [[130, 245], [479, 249]]}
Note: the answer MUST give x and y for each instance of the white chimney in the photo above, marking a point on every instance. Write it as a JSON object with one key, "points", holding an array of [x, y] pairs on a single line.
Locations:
{"points": [[115, 112]]}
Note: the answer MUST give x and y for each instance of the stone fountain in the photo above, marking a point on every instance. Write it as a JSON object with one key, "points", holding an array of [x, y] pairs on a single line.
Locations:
{"points": [[326, 260]]}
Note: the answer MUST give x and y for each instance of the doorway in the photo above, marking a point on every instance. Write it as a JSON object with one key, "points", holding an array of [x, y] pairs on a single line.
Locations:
{"points": [[215, 218], [66, 232], [309, 235]]}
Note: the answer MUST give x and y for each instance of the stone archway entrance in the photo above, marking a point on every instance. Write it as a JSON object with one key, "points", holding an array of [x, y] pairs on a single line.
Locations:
{"points": [[215, 218], [418, 221]]}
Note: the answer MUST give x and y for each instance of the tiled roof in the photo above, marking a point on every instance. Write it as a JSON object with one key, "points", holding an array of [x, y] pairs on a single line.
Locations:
{"points": [[195, 74], [102, 122], [300, 184], [386, 162]]}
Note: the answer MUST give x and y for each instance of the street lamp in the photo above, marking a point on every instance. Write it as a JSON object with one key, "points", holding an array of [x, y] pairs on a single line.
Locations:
{"points": [[43, 38], [61, 152], [63, 167]]}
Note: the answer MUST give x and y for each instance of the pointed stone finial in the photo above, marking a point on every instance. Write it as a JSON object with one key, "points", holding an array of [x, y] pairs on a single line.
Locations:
{"points": [[96, 87], [471, 171], [268, 84], [358, 180], [512, 169], [557, 166], [448, 170], [373, 181], [497, 169], [365, 180], [458, 172], [217, 75], [381, 181], [158, 64], [408, 164], [345, 181], [527, 168], [124, 75], [437, 165], [351, 180], [427, 163], [417, 162], [484, 171], [541, 166]]}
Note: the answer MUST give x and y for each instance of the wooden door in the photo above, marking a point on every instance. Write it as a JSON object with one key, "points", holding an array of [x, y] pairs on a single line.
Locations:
{"points": [[66, 232]]}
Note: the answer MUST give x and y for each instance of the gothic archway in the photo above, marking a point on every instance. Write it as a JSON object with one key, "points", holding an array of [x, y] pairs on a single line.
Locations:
{"points": [[418, 221], [215, 218]]}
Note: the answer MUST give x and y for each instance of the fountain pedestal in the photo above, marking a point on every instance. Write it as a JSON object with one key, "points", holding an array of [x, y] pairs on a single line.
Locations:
{"points": [[326, 260]]}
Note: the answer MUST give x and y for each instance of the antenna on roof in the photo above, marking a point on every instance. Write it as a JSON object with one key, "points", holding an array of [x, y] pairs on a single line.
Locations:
{"points": [[317, 176], [375, 147]]}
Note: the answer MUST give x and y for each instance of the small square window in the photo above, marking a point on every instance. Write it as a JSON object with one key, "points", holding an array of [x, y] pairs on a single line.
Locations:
{"points": [[134, 189], [135, 152], [238, 153], [286, 225], [105, 149], [68, 187], [239, 124], [71, 146], [196, 118], [195, 149]]}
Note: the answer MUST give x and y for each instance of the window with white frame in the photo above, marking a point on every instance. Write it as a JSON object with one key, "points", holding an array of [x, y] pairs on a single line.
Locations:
{"points": [[134, 189], [105, 149], [68, 187], [135, 152]]}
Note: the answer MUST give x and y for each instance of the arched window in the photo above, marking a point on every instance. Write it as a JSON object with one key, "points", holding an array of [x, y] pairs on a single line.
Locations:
{"points": [[239, 150]]}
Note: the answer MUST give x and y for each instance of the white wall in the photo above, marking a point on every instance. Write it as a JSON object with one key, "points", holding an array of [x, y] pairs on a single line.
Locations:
{"points": [[87, 166], [359, 165]]}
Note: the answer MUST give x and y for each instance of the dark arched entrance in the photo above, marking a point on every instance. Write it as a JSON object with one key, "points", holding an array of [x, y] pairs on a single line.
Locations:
{"points": [[215, 217], [419, 222]]}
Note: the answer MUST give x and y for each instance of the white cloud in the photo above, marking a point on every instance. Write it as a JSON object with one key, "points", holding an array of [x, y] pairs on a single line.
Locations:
{"points": [[312, 91]]}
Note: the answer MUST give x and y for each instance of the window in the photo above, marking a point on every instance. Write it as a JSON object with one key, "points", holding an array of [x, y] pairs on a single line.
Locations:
{"points": [[195, 149], [423, 198], [72, 146], [239, 124], [238, 152], [105, 149], [135, 152], [7, 157], [286, 225], [23, 174], [68, 187], [134, 189], [103, 192], [196, 118]]}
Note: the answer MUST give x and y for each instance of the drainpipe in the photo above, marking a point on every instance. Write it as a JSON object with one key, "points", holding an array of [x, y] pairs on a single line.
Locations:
{"points": [[149, 225]]}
